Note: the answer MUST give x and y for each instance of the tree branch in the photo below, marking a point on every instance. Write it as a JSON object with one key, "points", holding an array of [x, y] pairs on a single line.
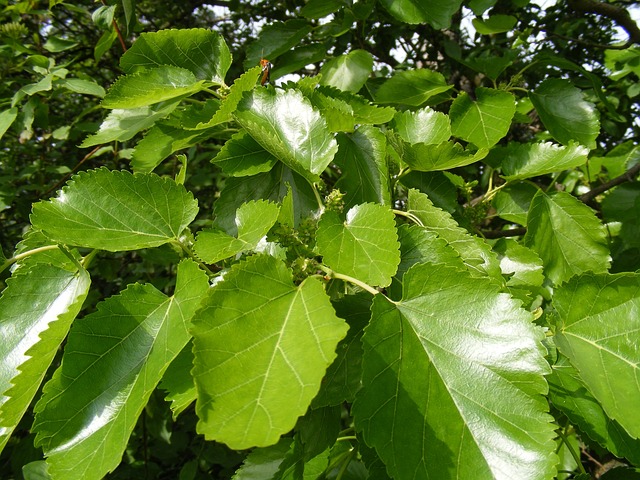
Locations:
{"points": [[628, 176], [618, 14]]}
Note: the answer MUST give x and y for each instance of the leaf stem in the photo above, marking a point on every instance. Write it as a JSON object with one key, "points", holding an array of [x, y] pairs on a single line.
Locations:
{"points": [[409, 215], [349, 279], [10, 261], [572, 451], [314, 187]]}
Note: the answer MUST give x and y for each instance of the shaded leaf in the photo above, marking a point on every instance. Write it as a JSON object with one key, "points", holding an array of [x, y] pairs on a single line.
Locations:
{"points": [[570, 395], [565, 113], [567, 235], [598, 320], [263, 463], [513, 201], [494, 24], [85, 87], [458, 368], [113, 360], [483, 121], [364, 246], [365, 175], [203, 52], [276, 39], [115, 210], [262, 346], [287, 126], [178, 382], [447, 155], [36, 311], [7, 117]]}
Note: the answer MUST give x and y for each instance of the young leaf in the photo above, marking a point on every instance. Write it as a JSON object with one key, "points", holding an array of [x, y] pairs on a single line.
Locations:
{"points": [[261, 347], [475, 253], [203, 52], [242, 156], [422, 126], [565, 113], [287, 126], [347, 72], [151, 86], [364, 246], [253, 220], [437, 14], [567, 235], [597, 331], [412, 87], [113, 360], [365, 175], [530, 160], [458, 368], [569, 394], [36, 311], [115, 210], [485, 120]]}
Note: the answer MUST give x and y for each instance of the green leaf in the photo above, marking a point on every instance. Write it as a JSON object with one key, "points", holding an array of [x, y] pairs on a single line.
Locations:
{"points": [[436, 13], [530, 160], [438, 187], [475, 253], [513, 201], [263, 463], [342, 379], [320, 8], [483, 121], [151, 86], [422, 126], [203, 52], [253, 221], [621, 205], [569, 394], [262, 346], [36, 311], [348, 72], [161, 141], [277, 39], [115, 211], [494, 24], [224, 113], [273, 186], [85, 87], [567, 235], [364, 246], [597, 331], [287, 126], [522, 265], [7, 117], [412, 87], [298, 58], [178, 382], [113, 360], [123, 124], [565, 113], [426, 158], [365, 175], [458, 368], [242, 156]]}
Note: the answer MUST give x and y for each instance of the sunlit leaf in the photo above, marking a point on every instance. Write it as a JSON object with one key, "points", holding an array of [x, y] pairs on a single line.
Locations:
{"points": [[412, 87], [530, 160], [437, 13]]}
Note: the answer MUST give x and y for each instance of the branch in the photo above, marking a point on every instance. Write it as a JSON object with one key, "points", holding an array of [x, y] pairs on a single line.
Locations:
{"points": [[618, 14], [628, 176]]}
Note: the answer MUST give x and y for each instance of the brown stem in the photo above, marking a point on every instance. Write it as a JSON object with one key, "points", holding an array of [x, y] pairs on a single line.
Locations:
{"points": [[628, 176], [618, 14]]}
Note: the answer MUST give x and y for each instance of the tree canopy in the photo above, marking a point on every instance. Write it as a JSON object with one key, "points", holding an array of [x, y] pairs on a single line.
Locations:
{"points": [[323, 239]]}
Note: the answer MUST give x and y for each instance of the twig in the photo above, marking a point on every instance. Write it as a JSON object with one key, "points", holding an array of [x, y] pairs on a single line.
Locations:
{"points": [[628, 176], [84, 159], [618, 14]]}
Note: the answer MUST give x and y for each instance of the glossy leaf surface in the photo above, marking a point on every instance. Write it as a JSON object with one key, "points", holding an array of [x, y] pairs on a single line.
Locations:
{"points": [[412, 87], [526, 161], [348, 72], [423, 126], [36, 311], [476, 409], [261, 346], [113, 360], [287, 126], [115, 210]]}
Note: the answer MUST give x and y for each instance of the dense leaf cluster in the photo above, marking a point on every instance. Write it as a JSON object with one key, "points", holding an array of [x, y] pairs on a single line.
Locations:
{"points": [[420, 268]]}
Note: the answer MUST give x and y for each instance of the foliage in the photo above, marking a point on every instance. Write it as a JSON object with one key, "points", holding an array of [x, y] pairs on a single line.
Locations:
{"points": [[383, 268]]}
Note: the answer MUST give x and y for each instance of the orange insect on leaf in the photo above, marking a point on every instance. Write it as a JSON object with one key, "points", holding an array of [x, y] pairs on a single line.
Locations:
{"points": [[266, 71]]}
